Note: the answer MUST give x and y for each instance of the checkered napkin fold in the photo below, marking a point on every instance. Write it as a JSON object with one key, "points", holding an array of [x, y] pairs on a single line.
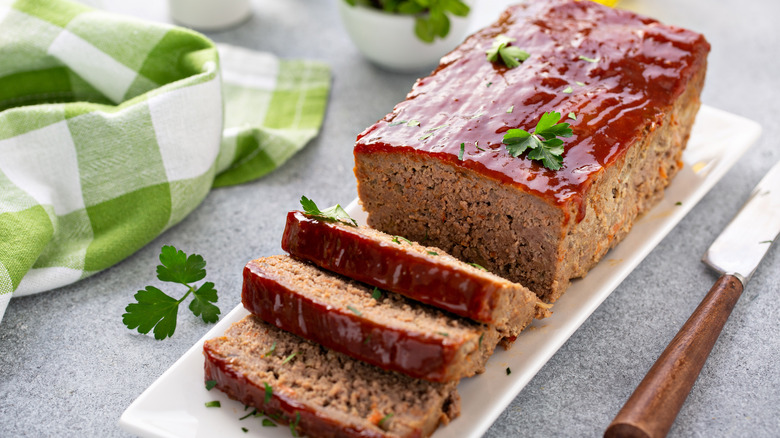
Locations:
{"points": [[111, 132]]}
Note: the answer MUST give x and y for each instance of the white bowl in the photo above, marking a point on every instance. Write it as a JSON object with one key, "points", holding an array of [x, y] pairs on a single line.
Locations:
{"points": [[389, 40], [209, 15]]}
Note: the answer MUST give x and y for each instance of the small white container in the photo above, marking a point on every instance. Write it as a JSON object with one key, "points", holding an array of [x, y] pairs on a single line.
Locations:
{"points": [[389, 40], [209, 15]]}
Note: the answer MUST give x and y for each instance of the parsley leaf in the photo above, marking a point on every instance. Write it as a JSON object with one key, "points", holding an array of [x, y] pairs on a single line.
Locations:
{"points": [[395, 240], [156, 310], [178, 268], [544, 144], [549, 154], [153, 310], [289, 358], [404, 122], [251, 414], [432, 17], [431, 131], [331, 214], [201, 302], [294, 424], [385, 419], [511, 56], [210, 384], [585, 58]]}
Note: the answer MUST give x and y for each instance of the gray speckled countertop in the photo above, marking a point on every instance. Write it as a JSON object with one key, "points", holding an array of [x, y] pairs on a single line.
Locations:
{"points": [[68, 367]]}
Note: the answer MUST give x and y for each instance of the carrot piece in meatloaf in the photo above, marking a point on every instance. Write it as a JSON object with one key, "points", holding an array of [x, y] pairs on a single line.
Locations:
{"points": [[322, 393], [381, 328], [628, 85]]}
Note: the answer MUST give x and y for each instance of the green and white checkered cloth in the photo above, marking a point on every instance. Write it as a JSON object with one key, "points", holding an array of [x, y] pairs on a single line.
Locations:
{"points": [[111, 132]]}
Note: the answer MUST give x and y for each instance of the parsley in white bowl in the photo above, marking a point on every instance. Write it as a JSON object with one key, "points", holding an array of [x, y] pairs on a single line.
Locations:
{"points": [[404, 35]]}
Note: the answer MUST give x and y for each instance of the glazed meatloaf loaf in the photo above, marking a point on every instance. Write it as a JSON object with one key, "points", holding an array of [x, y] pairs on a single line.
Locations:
{"points": [[322, 393], [422, 273], [381, 328], [436, 166]]}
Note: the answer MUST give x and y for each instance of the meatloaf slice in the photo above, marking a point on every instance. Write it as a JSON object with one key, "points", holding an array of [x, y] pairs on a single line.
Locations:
{"points": [[381, 328], [322, 393], [436, 166], [424, 274]]}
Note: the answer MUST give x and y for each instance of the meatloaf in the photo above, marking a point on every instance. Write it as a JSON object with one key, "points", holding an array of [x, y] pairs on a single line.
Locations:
{"points": [[436, 167], [381, 328], [320, 392], [425, 274]]}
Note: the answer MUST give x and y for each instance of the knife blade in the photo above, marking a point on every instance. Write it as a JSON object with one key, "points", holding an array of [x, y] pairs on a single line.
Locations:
{"points": [[735, 254]]}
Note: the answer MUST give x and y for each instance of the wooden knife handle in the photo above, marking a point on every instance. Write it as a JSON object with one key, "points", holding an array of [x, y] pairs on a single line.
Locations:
{"points": [[652, 408]]}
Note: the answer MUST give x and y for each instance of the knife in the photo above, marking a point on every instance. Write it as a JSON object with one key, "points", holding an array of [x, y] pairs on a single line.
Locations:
{"points": [[735, 254]]}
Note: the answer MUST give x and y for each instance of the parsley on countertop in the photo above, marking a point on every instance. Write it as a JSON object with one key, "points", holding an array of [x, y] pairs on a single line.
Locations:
{"points": [[156, 310]]}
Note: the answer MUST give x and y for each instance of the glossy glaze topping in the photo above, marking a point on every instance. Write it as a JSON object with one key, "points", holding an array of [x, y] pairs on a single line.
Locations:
{"points": [[432, 279], [618, 72]]}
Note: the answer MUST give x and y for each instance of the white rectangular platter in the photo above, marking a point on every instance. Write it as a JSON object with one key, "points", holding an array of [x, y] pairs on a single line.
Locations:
{"points": [[174, 405]]}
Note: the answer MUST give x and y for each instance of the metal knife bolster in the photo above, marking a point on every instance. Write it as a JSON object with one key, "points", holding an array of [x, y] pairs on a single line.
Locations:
{"points": [[747, 238]]}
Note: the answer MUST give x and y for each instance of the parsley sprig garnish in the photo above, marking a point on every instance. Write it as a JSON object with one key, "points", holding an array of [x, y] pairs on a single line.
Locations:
{"points": [[156, 310], [543, 143], [511, 55], [331, 214]]}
